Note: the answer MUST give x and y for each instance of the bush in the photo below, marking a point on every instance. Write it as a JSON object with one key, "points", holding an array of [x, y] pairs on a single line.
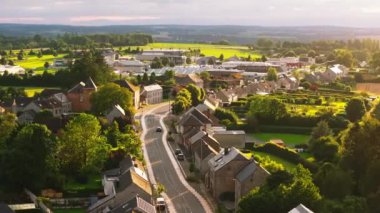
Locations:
{"points": [[286, 154], [223, 114]]}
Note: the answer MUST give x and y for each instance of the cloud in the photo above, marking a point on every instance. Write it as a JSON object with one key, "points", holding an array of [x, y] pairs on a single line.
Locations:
{"points": [[111, 18], [35, 8], [370, 10], [68, 2], [20, 19]]}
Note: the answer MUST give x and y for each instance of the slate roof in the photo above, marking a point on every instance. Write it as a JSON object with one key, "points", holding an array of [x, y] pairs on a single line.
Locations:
{"points": [[127, 84], [193, 117], [204, 150], [152, 87], [300, 209], [222, 159], [89, 84], [19, 101], [136, 203], [47, 103]]}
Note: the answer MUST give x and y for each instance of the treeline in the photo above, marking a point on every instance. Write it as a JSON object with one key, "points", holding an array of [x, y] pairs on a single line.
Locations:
{"points": [[91, 64], [75, 41]]}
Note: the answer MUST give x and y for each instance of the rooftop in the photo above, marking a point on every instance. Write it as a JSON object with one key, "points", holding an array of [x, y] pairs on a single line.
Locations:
{"points": [[152, 87]]}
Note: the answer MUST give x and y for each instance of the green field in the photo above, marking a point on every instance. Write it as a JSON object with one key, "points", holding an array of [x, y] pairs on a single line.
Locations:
{"points": [[31, 91], [207, 49], [289, 139], [37, 64], [93, 186]]}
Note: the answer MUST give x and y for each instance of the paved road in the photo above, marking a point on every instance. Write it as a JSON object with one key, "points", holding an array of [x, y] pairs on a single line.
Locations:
{"points": [[180, 197]]}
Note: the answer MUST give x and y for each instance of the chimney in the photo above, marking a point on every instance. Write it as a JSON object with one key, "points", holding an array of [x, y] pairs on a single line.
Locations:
{"points": [[226, 151]]}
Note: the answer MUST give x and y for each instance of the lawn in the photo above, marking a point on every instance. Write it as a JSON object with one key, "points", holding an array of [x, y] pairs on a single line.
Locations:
{"points": [[69, 211], [37, 64], [207, 49], [93, 186], [288, 165], [289, 139]]}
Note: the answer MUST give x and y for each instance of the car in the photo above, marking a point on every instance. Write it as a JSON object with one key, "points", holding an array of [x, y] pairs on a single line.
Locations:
{"points": [[177, 151], [160, 204], [159, 129], [181, 156]]}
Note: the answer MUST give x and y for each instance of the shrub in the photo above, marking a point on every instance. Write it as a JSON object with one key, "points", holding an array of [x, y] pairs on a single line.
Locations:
{"points": [[223, 114], [286, 154]]}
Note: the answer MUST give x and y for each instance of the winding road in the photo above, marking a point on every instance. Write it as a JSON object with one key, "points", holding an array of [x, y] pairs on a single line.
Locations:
{"points": [[163, 167]]}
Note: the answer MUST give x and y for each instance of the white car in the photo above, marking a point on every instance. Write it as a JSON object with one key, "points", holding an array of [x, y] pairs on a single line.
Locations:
{"points": [[160, 204]]}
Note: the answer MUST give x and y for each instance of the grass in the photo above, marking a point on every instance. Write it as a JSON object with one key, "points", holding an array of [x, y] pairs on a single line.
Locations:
{"points": [[207, 49], [69, 211], [287, 165], [31, 91], [37, 64], [289, 139], [93, 186]]}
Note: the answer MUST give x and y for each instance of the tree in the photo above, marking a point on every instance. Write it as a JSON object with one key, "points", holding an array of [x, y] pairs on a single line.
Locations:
{"points": [[28, 159], [152, 78], [157, 63], [286, 190], [39, 54], [196, 94], [264, 58], [325, 148], [290, 53], [145, 79], [205, 76], [7, 126], [345, 58], [165, 61], [139, 80], [221, 57], [46, 65], [211, 61], [182, 101], [188, 60], [224, 114], [272, 74], [82, 151], [110, 95], [355, 109], [321, 130], [268, 108], [312, 53]]}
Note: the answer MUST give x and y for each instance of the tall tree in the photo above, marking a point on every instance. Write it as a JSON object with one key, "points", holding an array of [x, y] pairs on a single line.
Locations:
{"points": [[110, 95], [355, 109], [28, 159], [82, 149], [7, 126], [272, 74]]}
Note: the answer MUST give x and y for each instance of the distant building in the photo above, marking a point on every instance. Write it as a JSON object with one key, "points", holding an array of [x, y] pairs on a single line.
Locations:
{"points": [[116, 112], [186, 79], [152, 94], [334, 72], [109, 56], [130, 67], [80, 95], [208, 60], [61, 63], [12, 70], [176, 56], [248, 66]]}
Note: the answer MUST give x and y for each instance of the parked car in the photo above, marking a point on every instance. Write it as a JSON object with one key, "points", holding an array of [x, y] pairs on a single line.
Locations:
{"points": [[177, 151], [160, 204], [181, 156], [159, 129]]}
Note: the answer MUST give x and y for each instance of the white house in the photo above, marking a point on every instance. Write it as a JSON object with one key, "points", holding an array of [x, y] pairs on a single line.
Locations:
{"points": [[335, 72], [152, 94]]}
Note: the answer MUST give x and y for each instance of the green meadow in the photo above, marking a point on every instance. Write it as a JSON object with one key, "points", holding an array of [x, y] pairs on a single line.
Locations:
{"points": [[207, 49]]}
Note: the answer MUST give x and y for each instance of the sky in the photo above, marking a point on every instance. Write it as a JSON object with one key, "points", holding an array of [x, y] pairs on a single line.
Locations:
{"points": [[353, 13]]}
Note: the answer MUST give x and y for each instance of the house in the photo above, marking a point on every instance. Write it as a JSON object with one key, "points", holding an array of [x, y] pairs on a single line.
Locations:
{"points": [[26, 117], [130, 66], [288, 83], [61, 63], [223, 169], [207, 60], [300, 209], [230, 138], [116, 112], [135, 90], [252, 176], [80, 95], [334, 72], [11, 70], [232, 77], [176, 56], [233, 58], [226, 96], [152, 94], [16, 105], [63, 101], [52, 105], [109, 56], [121, 185], [186, 79], [289, 62], [135, 205], [193, 119], [202, 137], [202, 154], [250, 66]]}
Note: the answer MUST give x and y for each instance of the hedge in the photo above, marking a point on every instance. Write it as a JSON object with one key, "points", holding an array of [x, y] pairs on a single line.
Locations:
{"points": [[286, 154]]}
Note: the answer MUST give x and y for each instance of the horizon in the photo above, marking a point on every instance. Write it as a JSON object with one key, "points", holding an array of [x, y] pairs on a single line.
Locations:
{"points": [[272, 13]]}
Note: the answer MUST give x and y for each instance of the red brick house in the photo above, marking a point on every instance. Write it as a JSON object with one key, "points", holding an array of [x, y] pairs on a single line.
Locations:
{"points": [[80, 95]]}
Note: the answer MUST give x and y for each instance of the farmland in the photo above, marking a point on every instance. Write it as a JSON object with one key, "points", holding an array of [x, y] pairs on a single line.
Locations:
{"points": [[31, 91], [207, 49], [289, 139], [37, 64]]}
